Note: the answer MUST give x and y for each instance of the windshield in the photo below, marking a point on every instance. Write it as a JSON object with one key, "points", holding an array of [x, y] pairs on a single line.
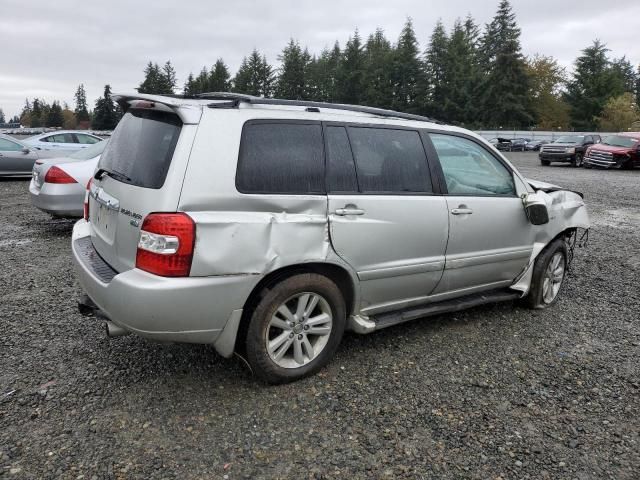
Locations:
{"points": [[141, 147], [569, 139], [619, 141], [90, 152]]}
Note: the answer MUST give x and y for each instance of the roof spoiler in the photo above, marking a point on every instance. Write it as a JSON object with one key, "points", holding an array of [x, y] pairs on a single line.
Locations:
{"points": [[188, 112]]}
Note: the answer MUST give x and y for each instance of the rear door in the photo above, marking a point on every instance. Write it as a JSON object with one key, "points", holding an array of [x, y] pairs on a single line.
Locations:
{"points": [[386, 219], [490, 237], [140, 171]]}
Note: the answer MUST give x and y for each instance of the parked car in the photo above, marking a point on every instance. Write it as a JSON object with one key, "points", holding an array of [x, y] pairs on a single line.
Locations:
{"points": [[269, 226], [618, 151], [518, 145], [535, 145], [567, 149], [58, 185], [17, 158], [66, 140], [502, 144]]}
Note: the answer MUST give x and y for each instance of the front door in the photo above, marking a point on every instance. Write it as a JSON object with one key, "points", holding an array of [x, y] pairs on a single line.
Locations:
{"points": [[385, 220], [13, 159], [490, 237]]}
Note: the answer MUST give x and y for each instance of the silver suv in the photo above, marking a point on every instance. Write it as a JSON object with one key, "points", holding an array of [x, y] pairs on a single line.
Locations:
{"points": [[267, 227]]}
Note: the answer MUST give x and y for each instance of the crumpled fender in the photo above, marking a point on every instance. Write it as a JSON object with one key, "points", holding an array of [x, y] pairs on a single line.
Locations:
{"points": [[566, 210]]}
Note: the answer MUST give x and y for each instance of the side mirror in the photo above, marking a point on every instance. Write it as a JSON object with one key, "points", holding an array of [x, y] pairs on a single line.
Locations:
{"points": [[536, 209], [26, 150]]}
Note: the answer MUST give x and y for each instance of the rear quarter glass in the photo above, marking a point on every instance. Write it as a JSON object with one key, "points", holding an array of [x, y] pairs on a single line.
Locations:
{"points": [[142, 146]]}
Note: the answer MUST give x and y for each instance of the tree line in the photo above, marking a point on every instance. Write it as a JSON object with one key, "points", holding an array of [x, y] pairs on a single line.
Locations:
{"points": [[104, 116], [465, 75]]}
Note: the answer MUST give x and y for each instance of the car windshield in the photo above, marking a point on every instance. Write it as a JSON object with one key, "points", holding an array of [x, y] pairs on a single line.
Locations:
{"points": [[90, 152], [569, 139], [619, 141]]}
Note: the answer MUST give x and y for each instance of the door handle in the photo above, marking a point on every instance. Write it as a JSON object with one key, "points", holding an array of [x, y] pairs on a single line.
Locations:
{"points": [[461, 211], [349, 211]]}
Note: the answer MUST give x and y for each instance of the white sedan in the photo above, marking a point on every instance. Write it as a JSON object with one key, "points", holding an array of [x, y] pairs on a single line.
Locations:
{"points": [[66, 141], [58, 185]]}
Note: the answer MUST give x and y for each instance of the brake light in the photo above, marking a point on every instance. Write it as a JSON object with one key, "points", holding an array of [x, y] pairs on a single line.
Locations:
{"points": [[142, 104], [86, 200], [165, 245], [57, 175]]}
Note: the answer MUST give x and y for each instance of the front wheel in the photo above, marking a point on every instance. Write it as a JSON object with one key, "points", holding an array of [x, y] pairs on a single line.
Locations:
{"points": [[577, 160], [546, 163], [296, 328], [549, 273]]}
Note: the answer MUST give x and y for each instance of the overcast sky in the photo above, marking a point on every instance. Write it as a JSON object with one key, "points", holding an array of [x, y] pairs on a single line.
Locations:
{"points": [[49, 47]]}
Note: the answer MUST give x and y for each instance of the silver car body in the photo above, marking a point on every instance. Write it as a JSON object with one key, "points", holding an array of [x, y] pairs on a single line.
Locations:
{"points": [[392, 251], [63, 141], [17, 158], [64, 200]]}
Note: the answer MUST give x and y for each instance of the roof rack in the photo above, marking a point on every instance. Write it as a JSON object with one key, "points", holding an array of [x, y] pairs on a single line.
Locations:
{"points": [[233, 99]]}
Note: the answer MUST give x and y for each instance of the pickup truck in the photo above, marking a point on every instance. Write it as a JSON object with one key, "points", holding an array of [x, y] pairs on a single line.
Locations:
{"points": [[567, 149], [618, 151]]}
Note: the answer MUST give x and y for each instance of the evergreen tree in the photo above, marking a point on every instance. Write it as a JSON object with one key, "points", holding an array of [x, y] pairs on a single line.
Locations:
{"points": [[105, 114], [15, 119], [591, 86], [25, 115], [36, 114], [219, 78], [505, 99], [255, 76], [322, 75], [159, 81], [623, 76], [407, 71], [188, 89], [168, 81], [434, 91], [151, 81], [54, 117], [638, 86], [82, 114], [350, 72], [291, 81], [2, 119]]}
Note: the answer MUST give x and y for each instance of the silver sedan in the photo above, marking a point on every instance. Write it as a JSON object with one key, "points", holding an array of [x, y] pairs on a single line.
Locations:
{"points": [[64, 141], [17, 158], [58, 185]]}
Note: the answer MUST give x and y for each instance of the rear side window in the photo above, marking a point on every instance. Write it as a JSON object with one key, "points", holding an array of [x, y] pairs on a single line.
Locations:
{"points": [[390, 161], [341, 171], [142, 146], [86, 139], [281, 158]]}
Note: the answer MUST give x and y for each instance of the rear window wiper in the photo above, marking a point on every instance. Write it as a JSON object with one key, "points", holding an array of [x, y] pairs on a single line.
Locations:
{"points": [[111, 173]]}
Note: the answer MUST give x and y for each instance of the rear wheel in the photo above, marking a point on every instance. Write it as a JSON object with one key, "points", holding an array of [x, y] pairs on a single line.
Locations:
{"points": [[296, 328], [549, 273]]}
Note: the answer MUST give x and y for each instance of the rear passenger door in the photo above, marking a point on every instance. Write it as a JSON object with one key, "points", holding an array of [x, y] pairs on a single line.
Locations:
{"points": [[490, 237], [386, 218]]}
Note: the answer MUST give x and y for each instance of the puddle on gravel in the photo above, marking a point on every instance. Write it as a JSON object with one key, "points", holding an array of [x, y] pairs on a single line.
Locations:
{"points": [[15, 243]]}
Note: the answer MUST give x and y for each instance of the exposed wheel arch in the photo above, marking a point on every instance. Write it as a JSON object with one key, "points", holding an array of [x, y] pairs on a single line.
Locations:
{"points": [[339, 275]]}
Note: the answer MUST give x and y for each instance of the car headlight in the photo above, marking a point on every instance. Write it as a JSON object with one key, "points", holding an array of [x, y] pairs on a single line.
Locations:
{"points": [[570, 150]]}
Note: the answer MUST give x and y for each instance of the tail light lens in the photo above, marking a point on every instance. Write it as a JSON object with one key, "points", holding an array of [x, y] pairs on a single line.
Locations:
{"points": [[57, 175], [86, 200], [165, 246]]}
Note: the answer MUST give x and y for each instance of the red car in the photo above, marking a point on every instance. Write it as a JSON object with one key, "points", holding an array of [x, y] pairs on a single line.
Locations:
{"points": [[620, 150]]}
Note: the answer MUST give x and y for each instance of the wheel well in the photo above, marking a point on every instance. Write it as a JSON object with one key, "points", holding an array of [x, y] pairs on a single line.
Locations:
{"points": [[337, 274]]}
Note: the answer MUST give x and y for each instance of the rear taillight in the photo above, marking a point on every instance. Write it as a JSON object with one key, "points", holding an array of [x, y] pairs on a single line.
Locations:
{"points": [[165, 246], [57, 175], [86, 200]]}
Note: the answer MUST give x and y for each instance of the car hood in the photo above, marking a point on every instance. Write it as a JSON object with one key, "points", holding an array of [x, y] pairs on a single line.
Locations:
{"points": [[562, 145], [549, 187], [610, 148]]}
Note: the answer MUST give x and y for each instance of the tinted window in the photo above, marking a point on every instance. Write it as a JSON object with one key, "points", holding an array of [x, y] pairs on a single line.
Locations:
{"points": [[389, 161], [341, 171], [86, 139], [9, 146], [281, 158], [142, 146], [469, 169]]}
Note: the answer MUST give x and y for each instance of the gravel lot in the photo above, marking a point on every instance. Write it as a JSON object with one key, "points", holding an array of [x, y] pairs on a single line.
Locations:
{"points": [[494, 392]]}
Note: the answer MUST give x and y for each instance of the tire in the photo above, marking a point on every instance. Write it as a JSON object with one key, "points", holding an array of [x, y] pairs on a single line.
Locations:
{"points": [[543, 294], [577, 161], [303, 318], [546, 163]]}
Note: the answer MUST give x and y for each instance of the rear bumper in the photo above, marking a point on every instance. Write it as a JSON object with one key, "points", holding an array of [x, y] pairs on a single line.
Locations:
{"points": [[65, 200], [192, 309]]}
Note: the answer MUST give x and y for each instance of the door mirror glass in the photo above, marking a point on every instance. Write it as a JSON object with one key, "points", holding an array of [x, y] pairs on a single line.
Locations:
{"points": [[536, 209]]}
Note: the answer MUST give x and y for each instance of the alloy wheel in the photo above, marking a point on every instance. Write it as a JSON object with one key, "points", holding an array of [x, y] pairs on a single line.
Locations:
{"points": [[553, 277]]}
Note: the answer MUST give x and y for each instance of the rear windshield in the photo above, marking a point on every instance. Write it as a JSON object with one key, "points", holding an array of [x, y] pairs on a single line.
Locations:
{"points": [[141, 147]]}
